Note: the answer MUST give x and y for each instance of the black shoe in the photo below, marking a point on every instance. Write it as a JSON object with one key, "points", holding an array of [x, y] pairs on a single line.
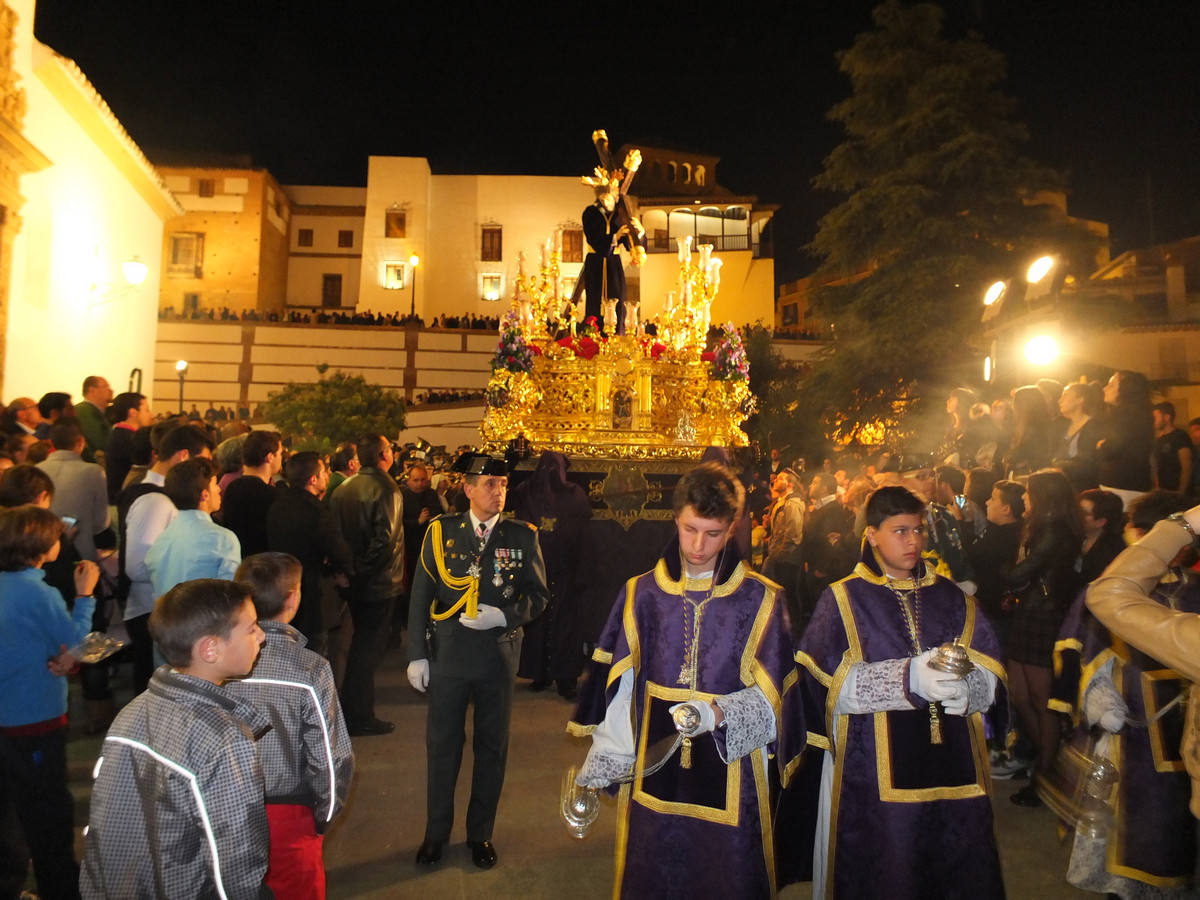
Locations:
{"points": [[483, 854], [429, 853], [1027, 796], [567, 689], [538, 686], [369, 727]]}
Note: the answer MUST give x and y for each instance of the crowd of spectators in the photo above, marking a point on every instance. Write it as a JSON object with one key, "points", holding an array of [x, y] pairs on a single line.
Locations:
{"points": [[465, 322], [1027, 498]]}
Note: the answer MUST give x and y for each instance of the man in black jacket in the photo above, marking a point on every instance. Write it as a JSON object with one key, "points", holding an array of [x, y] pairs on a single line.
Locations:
{"points": [[370, 513], [300, 524]]}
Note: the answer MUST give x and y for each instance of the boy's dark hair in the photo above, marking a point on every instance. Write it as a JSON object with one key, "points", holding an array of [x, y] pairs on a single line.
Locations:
{"points": [[892, 500], [26, 532], [122, 405], [1107, 506], [65, 433], [1153, 507], [302, 466], [269, 577], [370, 449], [826, 484], [712, 490], [192, 610], [259, 445], [953, 476], [342, 456], [186, 482], [1167, 408], [22, 484], [184, 437], [53, 401], [1012, 494]]}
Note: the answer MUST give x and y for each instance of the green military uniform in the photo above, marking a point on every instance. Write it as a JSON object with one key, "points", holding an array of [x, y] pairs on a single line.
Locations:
{"points": [[468, 666]]}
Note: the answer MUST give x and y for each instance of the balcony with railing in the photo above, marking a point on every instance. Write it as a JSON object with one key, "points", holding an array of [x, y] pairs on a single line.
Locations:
{"points": [[720, 244]]}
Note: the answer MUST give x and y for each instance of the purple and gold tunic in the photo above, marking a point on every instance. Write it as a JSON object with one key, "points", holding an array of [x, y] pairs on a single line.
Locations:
{"points": [[704, 829], [907, 817]]}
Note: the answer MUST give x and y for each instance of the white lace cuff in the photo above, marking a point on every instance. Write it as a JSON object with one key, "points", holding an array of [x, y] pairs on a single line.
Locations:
{"points": [[749, 723], [982, 685], [1101, 697], [874, 687], [602, 769]]}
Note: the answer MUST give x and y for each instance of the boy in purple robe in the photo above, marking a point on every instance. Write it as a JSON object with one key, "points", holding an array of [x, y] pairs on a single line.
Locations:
{"points": [[701, 629], [904, 806]]}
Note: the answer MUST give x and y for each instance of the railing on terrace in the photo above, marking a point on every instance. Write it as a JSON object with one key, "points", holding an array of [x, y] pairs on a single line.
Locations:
{"points": [[721, 244]]}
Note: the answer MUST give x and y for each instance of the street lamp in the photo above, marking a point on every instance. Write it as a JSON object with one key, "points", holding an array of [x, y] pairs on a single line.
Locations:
{"points": [[413, 262], [181, 368], [1041, 350]]}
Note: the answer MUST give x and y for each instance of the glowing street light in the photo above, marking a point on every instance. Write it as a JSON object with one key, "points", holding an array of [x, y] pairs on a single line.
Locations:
{"points": [[1039, 268], [134, 270], [181, 367], [993, 293], [1041, 350], [987, 369]]}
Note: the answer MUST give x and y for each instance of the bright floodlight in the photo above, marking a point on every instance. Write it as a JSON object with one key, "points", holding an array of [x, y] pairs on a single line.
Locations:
{"points": [[414, 260], [987, 368], [1041, 350], [1039, 269], [181, 366], [993, 293]]}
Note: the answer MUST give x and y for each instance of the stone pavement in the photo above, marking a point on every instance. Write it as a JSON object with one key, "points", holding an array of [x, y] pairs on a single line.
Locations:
{"points": [[369, 852]]}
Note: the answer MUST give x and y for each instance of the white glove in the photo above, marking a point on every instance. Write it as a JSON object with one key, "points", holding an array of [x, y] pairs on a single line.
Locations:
{"points": [[708, 717], [486, 617], [1113, 720], [418, 674], [957, 704], [929, 683]]}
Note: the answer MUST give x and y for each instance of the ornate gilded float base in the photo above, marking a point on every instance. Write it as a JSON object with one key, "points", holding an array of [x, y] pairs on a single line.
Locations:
{"points": [[621, 404]]}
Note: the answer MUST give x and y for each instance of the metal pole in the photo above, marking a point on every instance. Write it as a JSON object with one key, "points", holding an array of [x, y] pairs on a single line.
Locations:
{"points": [[412, 311], [182, 375]]}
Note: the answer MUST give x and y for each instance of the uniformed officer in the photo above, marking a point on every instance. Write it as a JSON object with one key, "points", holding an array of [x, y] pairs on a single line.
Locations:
{"points": [[479, 579]]}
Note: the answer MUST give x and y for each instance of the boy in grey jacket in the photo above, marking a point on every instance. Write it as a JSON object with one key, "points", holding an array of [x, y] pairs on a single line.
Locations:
{"points": [[177, 807], [306, 756]]}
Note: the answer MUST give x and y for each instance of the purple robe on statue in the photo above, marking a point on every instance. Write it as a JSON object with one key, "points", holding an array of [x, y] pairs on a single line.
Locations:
{"points": [[1153, 837], [702, 831], [907, 818]]}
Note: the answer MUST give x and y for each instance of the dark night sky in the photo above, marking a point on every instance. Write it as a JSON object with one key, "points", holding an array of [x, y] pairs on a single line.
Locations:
{"points": [[309, 91]]}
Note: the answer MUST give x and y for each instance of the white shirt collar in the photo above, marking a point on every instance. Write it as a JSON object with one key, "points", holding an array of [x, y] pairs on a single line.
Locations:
{"points": [[476, 522]]}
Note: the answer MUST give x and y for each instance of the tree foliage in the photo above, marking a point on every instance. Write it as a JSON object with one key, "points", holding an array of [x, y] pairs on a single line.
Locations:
{"points": [[939, 203], [780, 415], [320, 415]]}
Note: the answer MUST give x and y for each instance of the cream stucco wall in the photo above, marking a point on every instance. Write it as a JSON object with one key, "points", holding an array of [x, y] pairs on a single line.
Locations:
{"points": [[745, 293], [72, 313], [402, 181]]}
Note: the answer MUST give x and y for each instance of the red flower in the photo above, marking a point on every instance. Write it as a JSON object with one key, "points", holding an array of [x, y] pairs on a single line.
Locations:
{"points": [[656, 350], [587, 348], [510, 359], [536, 349], [708, 357]]}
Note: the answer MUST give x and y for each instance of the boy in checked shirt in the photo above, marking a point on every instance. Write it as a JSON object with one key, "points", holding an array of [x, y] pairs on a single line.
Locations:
{"points": [[306, 757]]}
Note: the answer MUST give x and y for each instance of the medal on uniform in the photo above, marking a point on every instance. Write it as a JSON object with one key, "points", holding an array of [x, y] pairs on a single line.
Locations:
{"points": [[508, 591], [497, 579], [473, 570]]}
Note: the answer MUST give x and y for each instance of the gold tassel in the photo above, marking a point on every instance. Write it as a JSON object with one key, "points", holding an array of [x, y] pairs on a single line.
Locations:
{"points": [[685, 754], [935, 725]]}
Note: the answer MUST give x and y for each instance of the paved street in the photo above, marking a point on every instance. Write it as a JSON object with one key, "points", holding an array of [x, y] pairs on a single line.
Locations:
{"points": [[369, 853]]}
